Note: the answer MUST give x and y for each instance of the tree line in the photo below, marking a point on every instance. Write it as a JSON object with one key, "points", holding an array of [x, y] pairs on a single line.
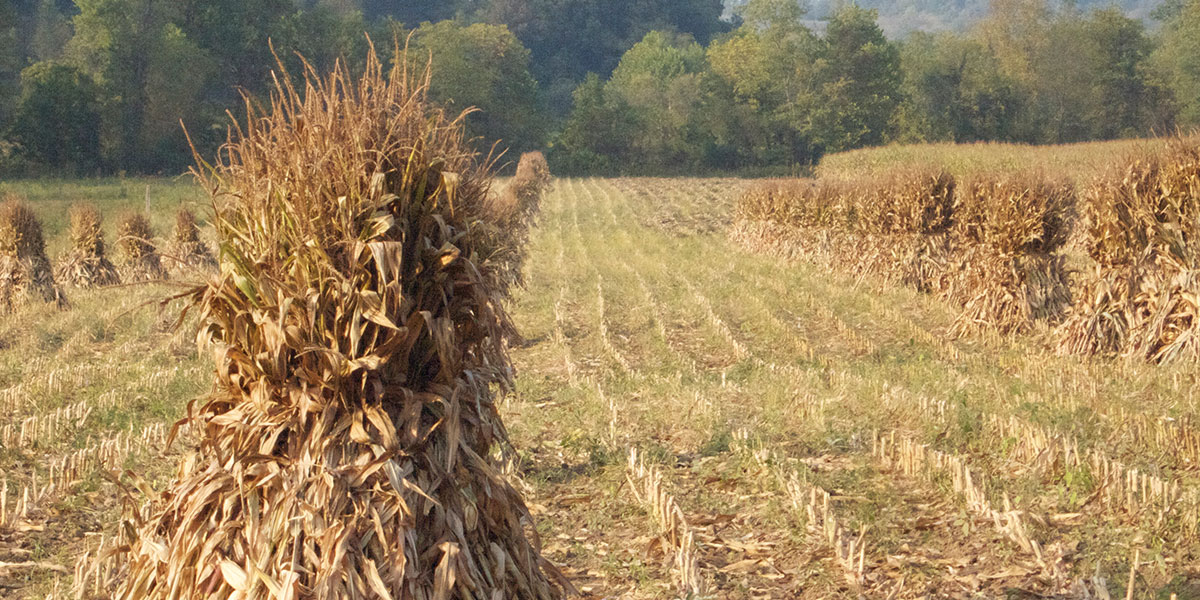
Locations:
{"points": [[605, 86]]}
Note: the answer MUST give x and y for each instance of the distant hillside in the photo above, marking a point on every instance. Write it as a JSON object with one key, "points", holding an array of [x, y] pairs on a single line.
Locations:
{"points": [[898, 17]]}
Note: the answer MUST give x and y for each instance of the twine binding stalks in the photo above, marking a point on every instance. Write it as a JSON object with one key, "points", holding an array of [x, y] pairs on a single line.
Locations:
{"points": [[142, 262], [357, 326], [86, 264], [25, 272]]}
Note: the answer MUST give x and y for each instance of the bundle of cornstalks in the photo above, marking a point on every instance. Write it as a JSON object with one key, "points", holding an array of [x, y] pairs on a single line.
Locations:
{"points": [[992, 246], [141, 261], [514, 211], [918, 201], [891, 228], [187, 250], [25, 273], [1006, 267], [85, 264], [345, 450], [1141, 299]]}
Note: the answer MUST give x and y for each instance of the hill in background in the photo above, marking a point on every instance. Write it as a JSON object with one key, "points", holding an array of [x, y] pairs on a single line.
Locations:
{"points": [[900, 17]]}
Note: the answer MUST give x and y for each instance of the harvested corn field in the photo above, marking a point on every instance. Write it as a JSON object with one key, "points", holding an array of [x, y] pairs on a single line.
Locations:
{"points": [[689, 420]]}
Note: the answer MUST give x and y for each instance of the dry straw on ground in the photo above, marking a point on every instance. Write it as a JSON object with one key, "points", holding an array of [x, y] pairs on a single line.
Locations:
{"points": [[1140, 300], [140, 261], [86, 265], [357, 332], [25, 272], [186, 251]]}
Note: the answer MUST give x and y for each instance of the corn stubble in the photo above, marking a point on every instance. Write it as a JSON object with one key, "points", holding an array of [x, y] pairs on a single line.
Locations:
{"points": [[1142, 298], [25, 272], [358, 329], [86, 264]]}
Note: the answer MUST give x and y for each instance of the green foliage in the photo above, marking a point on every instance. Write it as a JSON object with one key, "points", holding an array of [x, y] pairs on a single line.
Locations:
{"points": [[235, 35], [660, 80], [597, 133], [1131, 101], [9, 59], [655, 114], [676, 88], [56, 122], [322, 36], [486, 67], [122, 44], [769, 65], [1177, 60], [570, 38], [954, 90], [859, 75]]}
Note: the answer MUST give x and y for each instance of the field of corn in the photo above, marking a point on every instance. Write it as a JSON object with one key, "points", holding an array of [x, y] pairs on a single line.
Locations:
{"points": [[690, 418]]}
